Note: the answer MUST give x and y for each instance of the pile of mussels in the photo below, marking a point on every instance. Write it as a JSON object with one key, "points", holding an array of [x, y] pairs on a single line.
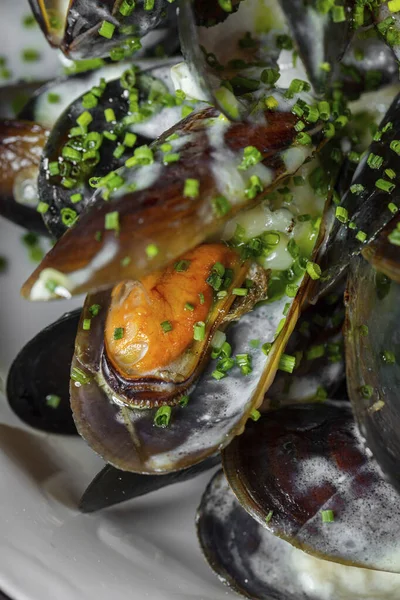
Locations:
{"points": [[233, 217]]}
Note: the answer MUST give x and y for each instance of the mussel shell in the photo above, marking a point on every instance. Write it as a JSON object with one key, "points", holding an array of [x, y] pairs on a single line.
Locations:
{"points": [[373, 303], [21, 145], [255, 563], [74, 26], [42, 368], [318, 39], [368, 209], [112, 486], [313, 379], [51, 189], [382, 254], [300, 460], [154, 215]]}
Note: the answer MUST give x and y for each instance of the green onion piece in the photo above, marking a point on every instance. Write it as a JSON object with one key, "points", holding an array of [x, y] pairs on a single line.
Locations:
{"points": [[127, 7], [266, 348], [291, 290], [199, 331], [86, 324], [269, 516], [385, 186], [162, 416], [364, 330], [191, 188], [119, 150], [287, 363], [110, 115], [201, 297], [126, 261], [218, 374], [240, 291], [303, 139], [129, 140], [75, 198], [392, 207], [395, 146], [271, 103], [226, 5], [361, 236], [313, 270], [94, 309], [221, 206], [366, 391], [255, 415], [342, 214], [218, 340], [189, 306], [53, 401], [28, 21], [328, 516], [374, 161], [315, 352], [171, 158], [79, 376], [111, 221], [183, 401], [357, 188], [30, 55], [107, 30], [84, 119], [388, 357], [119, 333], [182, 265], [166, 326], [338, 14], [270, 76], [148, 4], [42, 208], [251, 156], [152, 250], [53, 98]]}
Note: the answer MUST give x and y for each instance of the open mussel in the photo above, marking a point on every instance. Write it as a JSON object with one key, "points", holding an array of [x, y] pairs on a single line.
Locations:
{"points": [[230, 165], [90, 29], [372, 361], [259, 565], [303, 473], [148, 346], [21, 146], [38, 380]]}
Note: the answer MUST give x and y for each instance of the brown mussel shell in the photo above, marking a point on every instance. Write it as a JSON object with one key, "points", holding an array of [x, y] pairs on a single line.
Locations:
{"points": [[299, 461], [155, 214], [21, 145]]}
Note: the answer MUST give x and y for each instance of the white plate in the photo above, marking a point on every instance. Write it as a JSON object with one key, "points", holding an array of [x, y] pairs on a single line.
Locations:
{"points": [[146, 548]]}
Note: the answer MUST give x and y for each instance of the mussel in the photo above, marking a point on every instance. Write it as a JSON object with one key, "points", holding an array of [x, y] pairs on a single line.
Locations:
{"points": [[91, 29]]}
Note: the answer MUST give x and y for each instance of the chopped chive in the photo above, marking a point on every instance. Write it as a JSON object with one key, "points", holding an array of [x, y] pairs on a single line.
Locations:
{"points": [[269, 516], [221, 206], [255, 415], [119, 151], [53, 401], [119, 333], [315, 352], [255, 343], [303, 139], [270, 76], [53, 98], [342, 214], [395, 146], [84, 119], [191, 188], [357, 188], [75, 198], [266, 348], [240, 291], [385, 186], [366, 391], [189, 306], [389, 357], [163, 416], [89, 100], [126, 261], [111, 221], [287, 363], [374, 161], [171, 158], [42, 208], [328, 516], [166, 326], [183, 401], [86, 324], [291, 290], [199, 331], [313, 270], [127, 7], [30, 55], [251, 156], [271, 103], [201, 297], [129, 140], [152, 250], [109, 115], [94, 309], [218, 374], [182, 265], [392, 207], [107, 30], [361, 236]]}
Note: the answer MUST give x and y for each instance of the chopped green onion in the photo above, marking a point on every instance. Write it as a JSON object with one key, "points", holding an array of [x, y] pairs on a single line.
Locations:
{"points": [[182, 265], [86, 324], [119, 333], [357, 188], [385, 186], [374, 161], [191, 188], [269, 516], [328, 516], [127, 7], [75, 198], [79, 376], [189, 306], [162, 416], [129, 140], [361, 236], [218, 374], [183, 401], [315, 352], [366, 391], [107, 30], [199, 331], [266, 348], [389, 357], [166, 326], [255, 415], [84, 119], [221, 206], [30, 55], [392, 207], [94, 309], [287, 363], [42, 208], [201, 297], [240, 291], [251, 156], [53, 401], [111, 221], [303, 139], [152, 250], [313, 270], [395, 146], [342, 214]]}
